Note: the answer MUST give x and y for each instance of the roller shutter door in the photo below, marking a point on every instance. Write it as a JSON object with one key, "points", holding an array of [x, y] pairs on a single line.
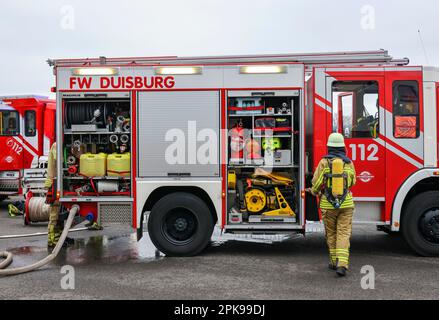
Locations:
{"points": [[164, 118]]}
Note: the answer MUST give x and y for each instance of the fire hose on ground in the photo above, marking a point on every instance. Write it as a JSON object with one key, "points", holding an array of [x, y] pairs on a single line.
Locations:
{"points": [[7, 256], [37, 234]]}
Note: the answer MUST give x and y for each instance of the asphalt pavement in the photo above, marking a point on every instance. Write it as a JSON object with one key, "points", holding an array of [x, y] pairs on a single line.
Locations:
{"points": [[111, 264]]}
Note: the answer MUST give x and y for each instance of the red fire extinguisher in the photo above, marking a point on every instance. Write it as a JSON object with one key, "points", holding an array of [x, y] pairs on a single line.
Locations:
{"points": [[237, 143]]}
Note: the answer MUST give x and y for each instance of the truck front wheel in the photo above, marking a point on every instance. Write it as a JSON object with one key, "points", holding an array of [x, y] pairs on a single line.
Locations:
{"points": [[420, 224], [180, 224]]}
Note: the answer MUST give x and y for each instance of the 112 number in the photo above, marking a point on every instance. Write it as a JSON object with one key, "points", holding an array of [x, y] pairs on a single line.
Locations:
{"points": [[362, 152]]}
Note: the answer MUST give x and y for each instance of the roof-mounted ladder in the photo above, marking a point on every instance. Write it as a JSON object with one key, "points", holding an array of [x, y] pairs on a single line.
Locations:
{"points": [[358, 58]]}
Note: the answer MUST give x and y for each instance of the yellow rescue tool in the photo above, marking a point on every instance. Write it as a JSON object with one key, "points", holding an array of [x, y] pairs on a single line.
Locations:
{"points": [[257, 200]]}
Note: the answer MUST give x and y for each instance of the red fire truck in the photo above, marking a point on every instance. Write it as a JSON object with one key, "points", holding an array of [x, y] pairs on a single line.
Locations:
{"points": [[190, 143], [27, 129]]}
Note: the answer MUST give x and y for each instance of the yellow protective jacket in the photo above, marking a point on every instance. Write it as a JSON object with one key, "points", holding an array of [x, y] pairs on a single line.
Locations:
{"points": [[319, 182]]}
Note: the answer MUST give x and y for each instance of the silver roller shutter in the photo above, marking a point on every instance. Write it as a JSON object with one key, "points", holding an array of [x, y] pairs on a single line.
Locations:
{"points": [[160, 112]]}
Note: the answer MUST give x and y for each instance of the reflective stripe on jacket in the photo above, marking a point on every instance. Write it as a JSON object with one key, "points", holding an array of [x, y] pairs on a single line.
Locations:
{"points": [[319, 180]]}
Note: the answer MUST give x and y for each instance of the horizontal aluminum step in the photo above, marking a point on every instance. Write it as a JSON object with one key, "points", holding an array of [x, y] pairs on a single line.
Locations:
{"points": [[264, 226]]}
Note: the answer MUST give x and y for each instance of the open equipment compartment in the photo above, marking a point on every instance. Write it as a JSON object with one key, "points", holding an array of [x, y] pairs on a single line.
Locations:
{"points": [[263, 159], [96, 147]]}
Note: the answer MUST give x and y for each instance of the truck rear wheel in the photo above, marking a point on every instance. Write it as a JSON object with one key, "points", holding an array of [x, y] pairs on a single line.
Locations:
{"points": [[420, 224], [180, 224]]}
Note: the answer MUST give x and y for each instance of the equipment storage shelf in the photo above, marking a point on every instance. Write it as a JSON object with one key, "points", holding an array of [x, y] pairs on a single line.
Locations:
{"points": [[263, 162], [96, 149], [94, 178], [69, 132], [260, 166]]}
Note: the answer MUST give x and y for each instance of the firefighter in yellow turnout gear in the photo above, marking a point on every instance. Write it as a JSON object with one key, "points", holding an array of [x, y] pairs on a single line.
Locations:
{"points": [[333, 179], [56, 225], [55, 228]]}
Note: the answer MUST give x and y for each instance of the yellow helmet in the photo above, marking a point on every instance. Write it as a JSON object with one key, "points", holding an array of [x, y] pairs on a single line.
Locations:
{"points": [[336, 140]]}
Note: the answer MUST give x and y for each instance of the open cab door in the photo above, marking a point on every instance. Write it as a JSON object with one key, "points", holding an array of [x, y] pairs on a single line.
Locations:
{"points": [[348, 101]]}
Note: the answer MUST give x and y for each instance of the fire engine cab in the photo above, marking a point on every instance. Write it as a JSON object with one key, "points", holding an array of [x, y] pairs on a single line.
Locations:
{"points": [[190, 143], [27, 129]]}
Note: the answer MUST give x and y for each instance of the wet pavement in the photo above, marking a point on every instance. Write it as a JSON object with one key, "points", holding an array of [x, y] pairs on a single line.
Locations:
{"points": [[111, 264]]}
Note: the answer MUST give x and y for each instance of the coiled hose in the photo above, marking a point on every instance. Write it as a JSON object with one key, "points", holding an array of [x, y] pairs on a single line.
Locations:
{"points": [[80, 113], [39, 211], [7, 256]]}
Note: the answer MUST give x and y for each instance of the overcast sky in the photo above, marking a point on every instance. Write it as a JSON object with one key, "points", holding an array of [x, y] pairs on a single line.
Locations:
{"points": [[32, 31]]}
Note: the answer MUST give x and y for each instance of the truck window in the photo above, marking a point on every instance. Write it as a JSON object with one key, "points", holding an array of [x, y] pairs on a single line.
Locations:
{"points": [[355, 108], [405, 109], [9, 123], [30, 123]]}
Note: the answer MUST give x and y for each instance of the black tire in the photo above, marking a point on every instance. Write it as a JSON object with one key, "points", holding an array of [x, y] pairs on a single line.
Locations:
{"points": [[180, 224], [420, 224]]}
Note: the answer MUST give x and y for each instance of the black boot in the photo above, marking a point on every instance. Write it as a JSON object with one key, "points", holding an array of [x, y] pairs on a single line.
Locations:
{"points": [[341, 271], [332, 267], [94, 226], [69, 242]]}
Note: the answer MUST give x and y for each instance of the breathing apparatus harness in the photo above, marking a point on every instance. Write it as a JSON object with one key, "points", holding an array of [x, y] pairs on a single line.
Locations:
{"points": [[335, 199]]}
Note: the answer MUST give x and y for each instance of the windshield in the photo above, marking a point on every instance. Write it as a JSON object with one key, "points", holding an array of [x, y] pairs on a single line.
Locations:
{"points": [[9, 123]]}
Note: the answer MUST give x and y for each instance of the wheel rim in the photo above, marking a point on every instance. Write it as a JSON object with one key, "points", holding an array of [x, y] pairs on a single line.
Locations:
{"points": [[429, 225], [179, 226]]}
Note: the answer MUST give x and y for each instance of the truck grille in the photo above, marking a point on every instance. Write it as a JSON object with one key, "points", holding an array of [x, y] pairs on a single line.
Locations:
{"points": [[115, 212]]}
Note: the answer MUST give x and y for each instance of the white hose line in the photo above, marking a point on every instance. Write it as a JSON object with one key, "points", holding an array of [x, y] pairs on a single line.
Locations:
{"points": [[8, 256], [8, 259], [14, 236]]}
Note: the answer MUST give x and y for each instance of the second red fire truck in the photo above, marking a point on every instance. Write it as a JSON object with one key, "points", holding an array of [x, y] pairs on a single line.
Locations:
{"points": [[27, 130], [233, 141]]}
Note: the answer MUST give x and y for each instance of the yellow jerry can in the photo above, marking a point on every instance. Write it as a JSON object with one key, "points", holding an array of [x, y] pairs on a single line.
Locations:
{"points": [[93, 165], [119, 165]]}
